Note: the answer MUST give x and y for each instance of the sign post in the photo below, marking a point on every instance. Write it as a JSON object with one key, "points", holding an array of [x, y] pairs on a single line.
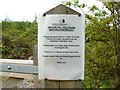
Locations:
{"points": [[61, 33]]}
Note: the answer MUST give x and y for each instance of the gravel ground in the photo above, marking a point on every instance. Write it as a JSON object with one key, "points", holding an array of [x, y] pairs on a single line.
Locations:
{"points": [[26, 83]]}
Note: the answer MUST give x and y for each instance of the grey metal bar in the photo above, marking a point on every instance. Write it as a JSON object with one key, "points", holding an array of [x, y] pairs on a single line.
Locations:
{"points": [[15, 68]]}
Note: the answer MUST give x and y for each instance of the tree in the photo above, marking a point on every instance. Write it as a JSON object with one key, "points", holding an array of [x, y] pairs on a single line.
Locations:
{"points": [[101, 45], [114, 8]]}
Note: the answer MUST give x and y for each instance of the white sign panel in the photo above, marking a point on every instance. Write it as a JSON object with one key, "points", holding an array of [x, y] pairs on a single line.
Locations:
{"points": [[61, 47]]}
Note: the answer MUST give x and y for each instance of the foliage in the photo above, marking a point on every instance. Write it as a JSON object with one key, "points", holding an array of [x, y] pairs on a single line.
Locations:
{"points": [[18, 39], [101, 45], [101, 33]]}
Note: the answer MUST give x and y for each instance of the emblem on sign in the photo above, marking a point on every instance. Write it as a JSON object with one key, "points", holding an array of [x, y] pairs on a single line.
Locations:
{"points": [[62, 21]]}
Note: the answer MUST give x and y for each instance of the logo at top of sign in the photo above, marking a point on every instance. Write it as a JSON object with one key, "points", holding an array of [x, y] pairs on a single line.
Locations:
{"points": [[62, 21]]}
